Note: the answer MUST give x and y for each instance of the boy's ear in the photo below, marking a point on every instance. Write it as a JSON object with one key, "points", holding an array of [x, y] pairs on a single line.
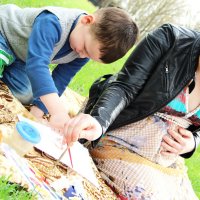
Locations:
{"points": [[88, 19]]}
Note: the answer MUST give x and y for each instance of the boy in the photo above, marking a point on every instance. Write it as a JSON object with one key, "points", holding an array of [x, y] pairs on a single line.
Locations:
{"points": [[32, 38]]}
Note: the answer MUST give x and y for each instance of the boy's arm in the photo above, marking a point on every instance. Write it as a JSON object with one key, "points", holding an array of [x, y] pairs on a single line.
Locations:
{"points": [[43, 38], [45, 34], [63, 73], [59, 113]]}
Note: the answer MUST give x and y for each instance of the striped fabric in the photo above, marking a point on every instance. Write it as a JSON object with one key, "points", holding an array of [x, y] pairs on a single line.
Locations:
{"points": [[178, 107], [5, 59]]}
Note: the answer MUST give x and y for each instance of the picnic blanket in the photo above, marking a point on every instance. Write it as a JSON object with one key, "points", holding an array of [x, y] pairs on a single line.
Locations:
{"points": [[10, 107]]}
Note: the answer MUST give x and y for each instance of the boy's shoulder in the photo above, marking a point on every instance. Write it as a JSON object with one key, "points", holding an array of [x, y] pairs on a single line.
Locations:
{"points": [[60, 12], [64, 13]]}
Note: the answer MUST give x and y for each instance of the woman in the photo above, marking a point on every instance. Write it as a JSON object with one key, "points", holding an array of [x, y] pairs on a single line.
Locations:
{"points": [[148, 114]]}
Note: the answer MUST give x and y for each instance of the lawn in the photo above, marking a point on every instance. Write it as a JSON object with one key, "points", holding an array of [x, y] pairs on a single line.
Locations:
{"points": [[194, 172], [92, 70], [10, 191]]}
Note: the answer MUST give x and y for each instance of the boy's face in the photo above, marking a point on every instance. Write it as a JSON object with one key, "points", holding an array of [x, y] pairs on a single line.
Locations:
{"points": [[82, 40]]}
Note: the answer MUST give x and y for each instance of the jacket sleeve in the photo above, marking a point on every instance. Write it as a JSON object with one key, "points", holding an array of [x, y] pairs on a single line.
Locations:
{"points": [[197, 142], [131, 79]]}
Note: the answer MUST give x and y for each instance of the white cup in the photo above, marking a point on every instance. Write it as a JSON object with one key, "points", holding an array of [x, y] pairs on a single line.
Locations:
{"points": [[24, 137]]}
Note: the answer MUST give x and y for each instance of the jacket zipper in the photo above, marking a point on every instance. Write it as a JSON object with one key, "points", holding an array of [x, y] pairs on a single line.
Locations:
{"points": [[166, 77]]}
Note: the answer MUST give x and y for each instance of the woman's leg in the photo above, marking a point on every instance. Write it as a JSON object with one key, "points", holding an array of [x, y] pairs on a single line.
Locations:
{"points": [[132, 176]]}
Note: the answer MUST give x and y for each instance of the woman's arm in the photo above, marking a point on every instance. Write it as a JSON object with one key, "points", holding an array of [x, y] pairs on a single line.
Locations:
{"points": [[124, 88], [133, 76]]}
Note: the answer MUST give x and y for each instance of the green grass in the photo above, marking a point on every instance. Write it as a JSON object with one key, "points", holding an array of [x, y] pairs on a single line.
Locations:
{"points": [[92, 70], [194, 172], [85, 5], [10, 191]]}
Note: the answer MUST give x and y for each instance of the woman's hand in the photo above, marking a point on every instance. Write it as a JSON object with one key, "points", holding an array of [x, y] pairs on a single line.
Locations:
{"points": [[180, 142], [81, 126]]}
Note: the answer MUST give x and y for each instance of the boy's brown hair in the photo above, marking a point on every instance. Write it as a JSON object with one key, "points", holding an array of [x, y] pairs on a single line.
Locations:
{"points": [[116, 31]]}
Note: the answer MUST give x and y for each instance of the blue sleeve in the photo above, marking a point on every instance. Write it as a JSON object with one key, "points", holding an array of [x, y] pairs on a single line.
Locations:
{"points": [[62, 75], [45, 34]]}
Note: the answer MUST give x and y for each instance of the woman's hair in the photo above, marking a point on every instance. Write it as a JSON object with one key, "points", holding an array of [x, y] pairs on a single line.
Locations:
{"points": [[116, 31]]}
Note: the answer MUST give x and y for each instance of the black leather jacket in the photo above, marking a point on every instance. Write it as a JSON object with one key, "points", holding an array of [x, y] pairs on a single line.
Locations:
{"points": [[162, 64]]}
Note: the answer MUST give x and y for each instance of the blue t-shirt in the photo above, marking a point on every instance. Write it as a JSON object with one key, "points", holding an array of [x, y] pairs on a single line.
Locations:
{"points": [[45, 34]]}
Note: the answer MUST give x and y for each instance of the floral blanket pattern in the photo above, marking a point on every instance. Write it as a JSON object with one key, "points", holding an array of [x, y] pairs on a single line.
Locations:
{"points": [[9, 108]]}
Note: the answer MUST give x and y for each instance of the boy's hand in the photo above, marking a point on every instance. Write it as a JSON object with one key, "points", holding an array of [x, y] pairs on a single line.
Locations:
{"points": [[82, 126], [57, 110], [180, 143], [38, 114], [58, 120]]}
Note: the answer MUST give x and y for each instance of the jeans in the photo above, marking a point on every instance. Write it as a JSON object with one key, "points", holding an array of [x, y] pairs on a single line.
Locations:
{"points": [[15, 77]]}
